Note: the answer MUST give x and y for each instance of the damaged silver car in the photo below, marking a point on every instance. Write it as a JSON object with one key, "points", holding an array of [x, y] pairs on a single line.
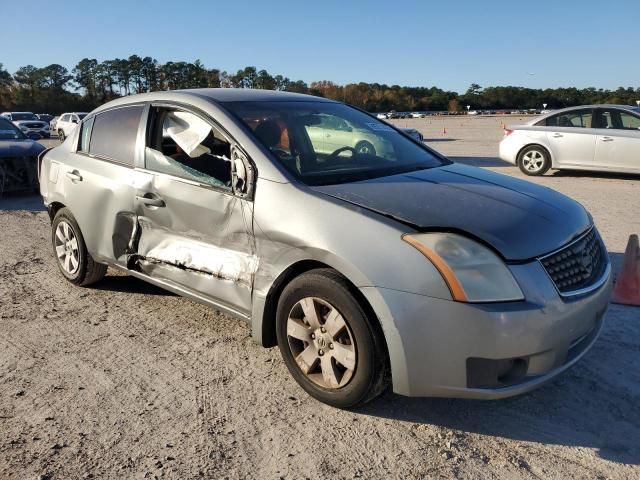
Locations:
{"points": [[367, 267]]}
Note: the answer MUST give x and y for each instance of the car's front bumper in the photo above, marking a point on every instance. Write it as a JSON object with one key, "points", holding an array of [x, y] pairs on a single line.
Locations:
{"points": [[452, 349], [45, 132]]}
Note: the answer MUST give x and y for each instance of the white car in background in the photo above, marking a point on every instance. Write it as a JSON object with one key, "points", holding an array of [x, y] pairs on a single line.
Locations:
{"points": [[67, 122], [590, 137], [28, 123]]}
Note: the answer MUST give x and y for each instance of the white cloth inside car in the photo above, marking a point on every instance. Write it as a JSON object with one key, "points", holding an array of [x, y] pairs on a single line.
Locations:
{"points": [[188, 131]]}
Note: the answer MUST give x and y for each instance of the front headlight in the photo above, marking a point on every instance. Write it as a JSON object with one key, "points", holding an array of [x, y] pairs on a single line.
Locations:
{"points": [[472, 272]]}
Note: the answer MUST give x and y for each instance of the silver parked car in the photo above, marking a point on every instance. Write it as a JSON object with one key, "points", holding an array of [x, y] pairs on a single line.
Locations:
{"points": [[592, 137], [365, 268]]}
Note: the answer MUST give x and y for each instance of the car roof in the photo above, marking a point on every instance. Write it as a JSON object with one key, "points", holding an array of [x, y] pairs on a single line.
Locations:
{"points": [[581, 107], [215, 95], [602, 105]]}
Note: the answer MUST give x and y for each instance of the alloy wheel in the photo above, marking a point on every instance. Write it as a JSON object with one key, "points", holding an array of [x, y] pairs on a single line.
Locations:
{"points": [[321, 343], [533, 161], [66, 245]]}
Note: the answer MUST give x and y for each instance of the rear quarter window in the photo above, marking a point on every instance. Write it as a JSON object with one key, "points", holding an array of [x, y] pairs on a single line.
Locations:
{"points": [[114, 134]]}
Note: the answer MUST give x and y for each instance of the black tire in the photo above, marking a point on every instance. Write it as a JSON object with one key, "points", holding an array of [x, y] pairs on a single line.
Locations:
{"points": [[61, 136], [534, 160], [365, 148], [371, 373], [88, 271]]}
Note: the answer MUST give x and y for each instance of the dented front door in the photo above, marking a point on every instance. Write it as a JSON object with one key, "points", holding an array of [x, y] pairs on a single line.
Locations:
{"points": [[197, 237]]}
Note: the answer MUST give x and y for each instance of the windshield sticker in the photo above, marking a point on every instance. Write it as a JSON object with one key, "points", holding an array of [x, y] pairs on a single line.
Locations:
{"points": [[379, 127]]}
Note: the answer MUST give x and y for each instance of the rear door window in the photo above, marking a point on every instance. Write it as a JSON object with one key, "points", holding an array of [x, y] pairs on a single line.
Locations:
{"points": [[574, 119], [114, 134]]}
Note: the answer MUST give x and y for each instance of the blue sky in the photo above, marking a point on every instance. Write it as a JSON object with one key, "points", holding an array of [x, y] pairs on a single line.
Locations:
{"points": [[446, 43]]}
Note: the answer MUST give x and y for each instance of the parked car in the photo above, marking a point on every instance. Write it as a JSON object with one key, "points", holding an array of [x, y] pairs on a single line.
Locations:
{"points": [[67, 123], [381, 116], [17, 159], [29, 124], [53, 124], [591, 137], [45, 117], [399, 267], [330, 132]]}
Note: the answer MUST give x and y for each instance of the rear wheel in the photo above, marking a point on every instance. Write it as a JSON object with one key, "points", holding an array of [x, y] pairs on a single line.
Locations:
{"points": [[331, 347], [74, 261], [534, 160]]}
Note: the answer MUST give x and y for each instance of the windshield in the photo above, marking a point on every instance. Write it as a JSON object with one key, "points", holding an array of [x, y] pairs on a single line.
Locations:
{"points": [[8, 131], [325, 143], [23, 116]]}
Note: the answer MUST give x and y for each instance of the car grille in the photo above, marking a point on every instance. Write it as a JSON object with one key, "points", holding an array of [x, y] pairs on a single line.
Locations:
{"points": [[577, 266], [18, 173], [33, 125]]}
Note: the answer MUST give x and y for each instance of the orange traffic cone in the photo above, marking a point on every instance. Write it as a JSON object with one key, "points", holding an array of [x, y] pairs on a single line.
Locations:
{"points": [[627, 289]]}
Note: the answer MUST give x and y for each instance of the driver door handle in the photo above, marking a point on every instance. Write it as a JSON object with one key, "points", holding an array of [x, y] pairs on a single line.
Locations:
{"points": [[74, 176], [557, 135], [607, 139], [150, 201]]}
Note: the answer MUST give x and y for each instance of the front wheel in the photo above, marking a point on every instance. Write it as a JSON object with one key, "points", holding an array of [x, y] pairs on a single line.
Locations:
{"points": [[534, 160], [61, 136], [332, 348], [74, 261]]}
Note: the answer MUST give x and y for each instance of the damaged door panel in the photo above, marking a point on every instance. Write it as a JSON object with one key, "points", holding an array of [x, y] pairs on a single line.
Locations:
{"points": [[201, 239]]}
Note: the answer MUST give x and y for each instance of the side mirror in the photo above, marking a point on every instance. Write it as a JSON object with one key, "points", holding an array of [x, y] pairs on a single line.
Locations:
{"points": [[242, 173]]}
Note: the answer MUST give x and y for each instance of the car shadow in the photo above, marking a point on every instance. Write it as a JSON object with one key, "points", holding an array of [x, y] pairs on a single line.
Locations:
{"points": [[481, 161], [128, 284], [432, 140], [28, 201], [589, 174], [592, 405]]}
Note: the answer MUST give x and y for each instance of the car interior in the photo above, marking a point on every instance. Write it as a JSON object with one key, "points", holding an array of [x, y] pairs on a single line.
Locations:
{"points": [[184, 145]]}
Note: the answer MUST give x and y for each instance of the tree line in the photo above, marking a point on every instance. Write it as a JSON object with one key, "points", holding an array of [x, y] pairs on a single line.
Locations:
{"points": [[55, 89]]}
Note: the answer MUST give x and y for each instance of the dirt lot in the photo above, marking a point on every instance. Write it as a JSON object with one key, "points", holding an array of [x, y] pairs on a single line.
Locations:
{"points": [[126, 381]]}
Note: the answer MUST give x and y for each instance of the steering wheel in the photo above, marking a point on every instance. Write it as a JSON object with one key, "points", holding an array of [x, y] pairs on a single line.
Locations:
{"points": [[280, 152], [335, 154]]}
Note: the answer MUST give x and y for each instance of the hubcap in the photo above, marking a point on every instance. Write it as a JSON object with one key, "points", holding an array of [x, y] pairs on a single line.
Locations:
{"points": [[66, 245], [321, 343], [533, 160], [364, 149]]}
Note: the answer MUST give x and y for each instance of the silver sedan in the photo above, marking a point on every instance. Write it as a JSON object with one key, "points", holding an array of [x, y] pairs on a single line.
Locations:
{"points": [[368, 268], [592, 137]]}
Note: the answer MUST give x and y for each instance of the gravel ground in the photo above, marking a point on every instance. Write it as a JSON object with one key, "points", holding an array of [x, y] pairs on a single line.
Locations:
{"points": [[124, 380]]}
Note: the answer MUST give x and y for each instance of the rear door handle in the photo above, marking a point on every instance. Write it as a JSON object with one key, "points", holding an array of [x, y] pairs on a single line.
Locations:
{"points": [[150, 201], [557, 135], [607, 139], [74, 176]]}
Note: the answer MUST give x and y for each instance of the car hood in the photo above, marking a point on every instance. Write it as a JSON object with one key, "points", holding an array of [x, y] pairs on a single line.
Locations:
{"points": [[19, 148], [20, 122], [521, 220]]}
